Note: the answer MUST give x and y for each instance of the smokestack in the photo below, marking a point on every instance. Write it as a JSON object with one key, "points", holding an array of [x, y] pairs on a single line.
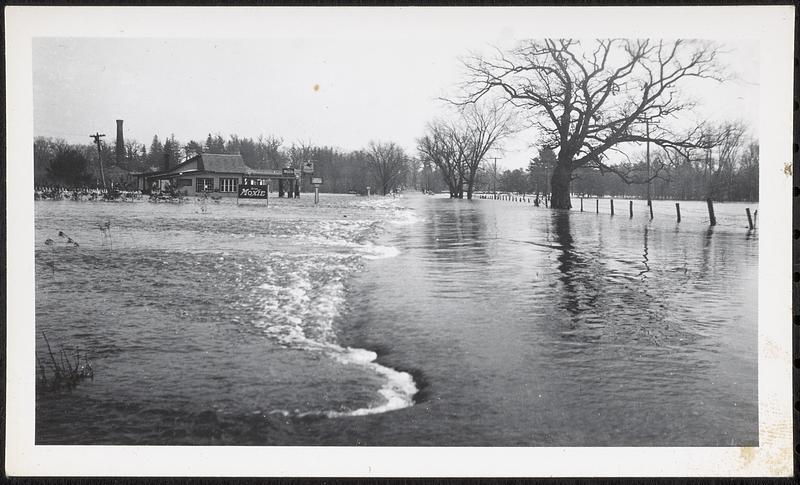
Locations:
{"points": [[120, 143]]}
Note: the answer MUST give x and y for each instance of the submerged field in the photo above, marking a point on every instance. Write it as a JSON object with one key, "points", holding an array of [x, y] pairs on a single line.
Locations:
{"points": [[413, 321]]}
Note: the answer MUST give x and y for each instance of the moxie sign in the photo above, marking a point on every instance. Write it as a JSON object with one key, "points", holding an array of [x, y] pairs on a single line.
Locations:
{"points": [[253, 192]]}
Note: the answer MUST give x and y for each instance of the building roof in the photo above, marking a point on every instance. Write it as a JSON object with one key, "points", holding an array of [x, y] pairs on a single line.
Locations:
{"points": [[204, 162], [213, 162]]}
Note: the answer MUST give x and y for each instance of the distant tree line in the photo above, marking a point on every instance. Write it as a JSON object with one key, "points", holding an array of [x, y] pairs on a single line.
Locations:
{"points": [[452, 158], [728, 172], [383, 166]]}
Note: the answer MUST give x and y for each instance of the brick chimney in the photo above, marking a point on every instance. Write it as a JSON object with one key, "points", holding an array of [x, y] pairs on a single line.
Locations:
{"points": [[120, 151]]}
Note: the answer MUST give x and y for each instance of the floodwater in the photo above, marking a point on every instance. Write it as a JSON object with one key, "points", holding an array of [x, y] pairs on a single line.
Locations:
{"points": [[416, 321]]}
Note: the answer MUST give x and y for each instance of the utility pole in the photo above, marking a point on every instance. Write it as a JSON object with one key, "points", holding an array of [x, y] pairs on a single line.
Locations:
{"points": [[494, 178], [648, 120], [97, 137]]}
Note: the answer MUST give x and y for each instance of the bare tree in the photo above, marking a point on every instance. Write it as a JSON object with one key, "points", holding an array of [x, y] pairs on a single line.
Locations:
{"points": [[586, 99], [389, 163], [439, 148], [730, 141], [484, 128], [458, 147], [298, 153]]}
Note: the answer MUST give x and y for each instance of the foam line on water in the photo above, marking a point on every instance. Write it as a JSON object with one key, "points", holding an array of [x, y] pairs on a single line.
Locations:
{"points": [[290, 308], [397, 393], [374, 251], [300, 313], [405, 217], [368, 250]]}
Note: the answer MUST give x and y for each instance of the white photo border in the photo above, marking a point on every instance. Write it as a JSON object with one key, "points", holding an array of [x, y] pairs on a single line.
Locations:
{"points": [[771, 26]]}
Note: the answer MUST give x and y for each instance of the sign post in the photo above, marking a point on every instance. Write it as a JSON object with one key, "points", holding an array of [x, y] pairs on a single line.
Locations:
{"points": [[316, 182]]}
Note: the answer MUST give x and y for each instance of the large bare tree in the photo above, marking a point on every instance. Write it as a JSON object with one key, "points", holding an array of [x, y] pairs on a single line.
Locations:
{"points": [[389, 163], [588, 98]]}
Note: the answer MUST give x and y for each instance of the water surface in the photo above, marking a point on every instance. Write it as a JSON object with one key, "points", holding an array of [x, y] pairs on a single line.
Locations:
{"points": [[415, 321]]}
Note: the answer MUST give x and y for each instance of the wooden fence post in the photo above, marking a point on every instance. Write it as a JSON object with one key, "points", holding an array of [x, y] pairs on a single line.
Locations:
{"points": [[650, 204], [581, 204], [711, 217], [612, 206], [678, 210], [630, 206], [749, 218], [597, 207]]}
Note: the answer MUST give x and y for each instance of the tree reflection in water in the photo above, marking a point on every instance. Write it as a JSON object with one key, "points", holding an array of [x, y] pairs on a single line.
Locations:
{"points": [[580, 290], [607, 298]]}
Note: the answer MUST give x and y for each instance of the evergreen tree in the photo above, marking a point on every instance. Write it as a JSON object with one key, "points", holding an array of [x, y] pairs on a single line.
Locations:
{"points": [[155, 159], [215, 144]]}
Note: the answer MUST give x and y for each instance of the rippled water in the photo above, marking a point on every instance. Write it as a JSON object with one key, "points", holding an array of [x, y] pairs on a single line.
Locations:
{"points": [[415, 321]]}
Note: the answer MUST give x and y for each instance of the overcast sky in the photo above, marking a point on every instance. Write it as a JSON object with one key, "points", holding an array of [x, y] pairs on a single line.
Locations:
{"points": [[340, 89]]}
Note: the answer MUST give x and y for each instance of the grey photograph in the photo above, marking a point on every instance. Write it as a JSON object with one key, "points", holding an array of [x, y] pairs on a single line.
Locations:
{"points": [[490, 238]]}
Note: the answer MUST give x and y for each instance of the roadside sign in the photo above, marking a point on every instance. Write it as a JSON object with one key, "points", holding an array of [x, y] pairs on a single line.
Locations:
{"points": [[308, 167], [316, 180], [253, 191]]}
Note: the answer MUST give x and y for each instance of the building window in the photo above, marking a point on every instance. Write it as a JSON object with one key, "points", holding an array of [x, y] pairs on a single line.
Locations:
{"points": [[184, 182], [228, 185], [205, 185]]}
